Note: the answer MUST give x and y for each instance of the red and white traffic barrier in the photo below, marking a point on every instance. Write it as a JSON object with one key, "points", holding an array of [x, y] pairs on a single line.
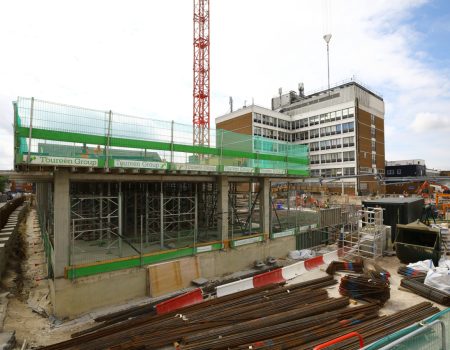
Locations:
{"points": [[275, 276]]}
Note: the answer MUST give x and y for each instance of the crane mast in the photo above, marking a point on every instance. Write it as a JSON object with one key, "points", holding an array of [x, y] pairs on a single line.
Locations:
{"points": [[201, 121]]}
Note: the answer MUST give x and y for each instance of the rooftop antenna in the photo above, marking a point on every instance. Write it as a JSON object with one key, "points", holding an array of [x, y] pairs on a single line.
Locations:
{"points": [[327, 38], [231, 104]]}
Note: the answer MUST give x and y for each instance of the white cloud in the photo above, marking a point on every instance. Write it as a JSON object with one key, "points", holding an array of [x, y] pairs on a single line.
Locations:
{"points": [[431, 122], [137, 58]]}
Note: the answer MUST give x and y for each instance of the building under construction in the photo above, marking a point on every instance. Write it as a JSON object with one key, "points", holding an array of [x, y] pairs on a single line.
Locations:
{"points": [[115, 193]]}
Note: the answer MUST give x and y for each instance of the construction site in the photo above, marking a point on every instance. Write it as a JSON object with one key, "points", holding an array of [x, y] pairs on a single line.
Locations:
{"points": [[280, 228]]}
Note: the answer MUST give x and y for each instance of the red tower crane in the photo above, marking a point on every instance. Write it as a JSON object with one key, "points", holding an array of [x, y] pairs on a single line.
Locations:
{"points": [[201, 73]]}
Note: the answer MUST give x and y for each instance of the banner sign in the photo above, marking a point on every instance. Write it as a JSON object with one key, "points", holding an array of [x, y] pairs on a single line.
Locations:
{"points": [[196, 167], [273, 171], [289, 232], [139, 164], [62, 161], [238, 169]]}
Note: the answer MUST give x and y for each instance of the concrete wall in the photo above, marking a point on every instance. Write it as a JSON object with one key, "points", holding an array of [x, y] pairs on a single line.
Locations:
{"points": [[219, 263], [82, 295], [72, 298]]}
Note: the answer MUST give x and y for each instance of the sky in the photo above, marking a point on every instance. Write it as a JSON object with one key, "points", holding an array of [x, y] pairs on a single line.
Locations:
{"points": [[136, 57]]}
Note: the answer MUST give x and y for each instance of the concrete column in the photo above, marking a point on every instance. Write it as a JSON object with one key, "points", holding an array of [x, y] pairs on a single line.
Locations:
{"points": [[222, 207], [264, 204], [61, 222]]}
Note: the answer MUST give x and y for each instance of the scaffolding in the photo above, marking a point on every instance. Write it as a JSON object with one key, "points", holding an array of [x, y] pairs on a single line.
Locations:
{"points": [[123, 219], [369, 237], [244, 210]]}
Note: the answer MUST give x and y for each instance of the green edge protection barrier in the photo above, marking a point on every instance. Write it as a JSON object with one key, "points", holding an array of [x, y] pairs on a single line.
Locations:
{"points": [[394, 336], [135, 261], [142, 144]]}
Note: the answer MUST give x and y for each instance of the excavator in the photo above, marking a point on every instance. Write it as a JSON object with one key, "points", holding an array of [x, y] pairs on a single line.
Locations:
{"points": [[425, 190]]}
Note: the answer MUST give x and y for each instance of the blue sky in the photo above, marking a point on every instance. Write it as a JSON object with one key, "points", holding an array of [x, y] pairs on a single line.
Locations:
{"points": [[136, 58]]}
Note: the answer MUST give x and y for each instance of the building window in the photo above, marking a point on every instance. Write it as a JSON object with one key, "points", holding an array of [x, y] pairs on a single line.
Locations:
{"points": [[338, 115], [372, 119], [348, 141], [349, 171], [372, 130], [399, 171], [348, 156], [390, 172], [373, 145], [332, 116], [313, 133], [345, 114], [374, 158], [351, 112], [304, 122], [314, 120], [314, 159], [348, 127], [257, 118], [257, 131]]}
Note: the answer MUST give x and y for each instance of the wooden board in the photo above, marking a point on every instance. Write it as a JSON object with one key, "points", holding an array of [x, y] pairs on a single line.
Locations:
{"points": [[171, 276]]}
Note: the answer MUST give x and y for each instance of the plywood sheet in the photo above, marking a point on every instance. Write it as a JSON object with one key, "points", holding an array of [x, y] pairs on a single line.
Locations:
{"points": [[171, 276]]}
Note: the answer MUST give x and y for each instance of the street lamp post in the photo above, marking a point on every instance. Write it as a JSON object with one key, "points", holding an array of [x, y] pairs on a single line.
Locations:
{"points": [[327, 38]]}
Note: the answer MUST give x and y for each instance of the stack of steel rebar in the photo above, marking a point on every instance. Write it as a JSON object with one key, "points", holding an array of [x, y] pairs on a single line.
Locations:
{"points": [[372, 287], [417, 286], [272, 317], [410, 272], [355, 266]]}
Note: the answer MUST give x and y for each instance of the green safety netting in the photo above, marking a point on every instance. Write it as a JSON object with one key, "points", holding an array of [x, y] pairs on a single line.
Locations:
{"points": [[60, 130]]}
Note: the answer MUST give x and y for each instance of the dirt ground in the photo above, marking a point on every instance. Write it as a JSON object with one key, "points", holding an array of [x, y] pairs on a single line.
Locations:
{"points": [[26, 282]]}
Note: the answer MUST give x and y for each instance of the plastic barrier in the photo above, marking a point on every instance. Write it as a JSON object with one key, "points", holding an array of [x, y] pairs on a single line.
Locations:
{"points": [[180, 301], [329, 257], [314, 262], [291, 271], [234, 287], [271, 277]]}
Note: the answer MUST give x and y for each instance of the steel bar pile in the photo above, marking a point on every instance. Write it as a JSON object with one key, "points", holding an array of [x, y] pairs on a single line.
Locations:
{"points": [[270, 305], [371, 329], [410, 272], [373, 287], [355, 266], [271, 317], [417, 286]]}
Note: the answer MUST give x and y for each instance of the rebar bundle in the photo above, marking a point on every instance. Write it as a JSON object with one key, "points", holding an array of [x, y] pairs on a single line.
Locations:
{"points": [[373, 287], [410, 272], [273, 317], [417, 286], [355, 266]]}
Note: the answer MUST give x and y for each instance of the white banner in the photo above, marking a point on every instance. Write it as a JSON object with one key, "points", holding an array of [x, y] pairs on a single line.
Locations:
{"points": [[289, 232], [196, 167], [239, 242], [141, 164], [48, 160], [273, 171], [238, 169]]}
